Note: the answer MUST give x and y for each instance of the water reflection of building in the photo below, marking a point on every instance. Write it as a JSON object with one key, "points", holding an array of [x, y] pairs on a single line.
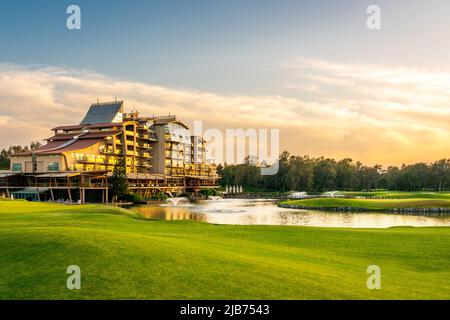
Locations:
{"points": [[160, 155], [169, 213]]}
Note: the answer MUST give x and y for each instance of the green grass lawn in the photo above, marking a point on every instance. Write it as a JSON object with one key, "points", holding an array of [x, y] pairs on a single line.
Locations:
{"points": [[372, 204], [124, 257], [399, 194]]}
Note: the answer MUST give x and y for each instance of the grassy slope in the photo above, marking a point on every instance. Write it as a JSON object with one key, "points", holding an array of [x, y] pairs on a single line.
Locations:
{"points": [[123, 257], [372, 204]]}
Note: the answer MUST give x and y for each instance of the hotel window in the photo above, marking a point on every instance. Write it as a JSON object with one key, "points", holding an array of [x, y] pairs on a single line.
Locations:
{"points": [[16, 167], [53, 166]]}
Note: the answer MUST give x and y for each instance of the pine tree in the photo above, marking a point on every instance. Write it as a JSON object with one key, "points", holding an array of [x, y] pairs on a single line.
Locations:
{"points": [[118, 181]]}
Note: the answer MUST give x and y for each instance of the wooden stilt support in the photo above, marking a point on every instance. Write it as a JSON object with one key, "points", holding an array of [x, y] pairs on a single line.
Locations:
{"points": [[83, 195], [51, 193], [70, 195]]}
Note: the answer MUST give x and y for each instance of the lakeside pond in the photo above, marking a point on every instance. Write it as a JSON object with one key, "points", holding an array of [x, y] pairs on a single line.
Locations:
{"points": [[266, 212]]}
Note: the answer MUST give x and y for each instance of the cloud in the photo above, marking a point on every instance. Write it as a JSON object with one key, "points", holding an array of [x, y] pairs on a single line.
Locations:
{"points": [[377, 114], [385, 114]]}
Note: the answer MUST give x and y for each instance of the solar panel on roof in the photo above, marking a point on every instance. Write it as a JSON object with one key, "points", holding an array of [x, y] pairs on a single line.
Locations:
{"points": [[102, 112]]}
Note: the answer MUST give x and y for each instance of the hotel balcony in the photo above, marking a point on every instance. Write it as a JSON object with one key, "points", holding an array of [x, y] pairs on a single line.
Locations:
{"points": [[132, 153], [143, 127], [144, 164], [143, 136], [144, 145], [145, 155], [95, 160], [107, 152]]}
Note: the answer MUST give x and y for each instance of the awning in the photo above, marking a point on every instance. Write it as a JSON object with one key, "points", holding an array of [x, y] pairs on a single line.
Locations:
{"points": [[7, 174], [58, 175], [200, 177], [30, 190], [144, 176]]}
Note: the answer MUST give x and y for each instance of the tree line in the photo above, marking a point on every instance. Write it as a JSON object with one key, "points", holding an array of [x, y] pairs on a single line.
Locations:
{"points": [[304, 173], [320, 174], [5, 153]]}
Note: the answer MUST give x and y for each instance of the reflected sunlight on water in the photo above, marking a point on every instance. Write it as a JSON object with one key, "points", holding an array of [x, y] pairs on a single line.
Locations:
{"points": [[266, 212]]}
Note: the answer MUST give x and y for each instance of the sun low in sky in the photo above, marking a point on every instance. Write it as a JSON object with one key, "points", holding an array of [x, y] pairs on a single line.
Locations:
{"points": [[312, 69]]}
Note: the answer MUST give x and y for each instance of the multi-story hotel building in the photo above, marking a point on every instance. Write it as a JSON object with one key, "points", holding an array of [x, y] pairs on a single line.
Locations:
{"points": [[160, 155]]}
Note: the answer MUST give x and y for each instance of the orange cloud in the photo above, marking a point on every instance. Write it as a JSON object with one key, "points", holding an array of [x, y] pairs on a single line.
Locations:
{"points": [[376, 114]]}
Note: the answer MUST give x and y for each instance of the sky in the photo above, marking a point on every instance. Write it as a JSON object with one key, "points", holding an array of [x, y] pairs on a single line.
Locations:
{"points": [[311, 69]]}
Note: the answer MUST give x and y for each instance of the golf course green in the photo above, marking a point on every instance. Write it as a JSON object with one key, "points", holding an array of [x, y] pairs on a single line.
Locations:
{"points": [[377, 201], [122, 256], [399, 194], [369, 204]]}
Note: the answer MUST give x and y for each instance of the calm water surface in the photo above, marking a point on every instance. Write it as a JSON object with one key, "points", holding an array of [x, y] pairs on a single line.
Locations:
{"points": [[266, 212]]}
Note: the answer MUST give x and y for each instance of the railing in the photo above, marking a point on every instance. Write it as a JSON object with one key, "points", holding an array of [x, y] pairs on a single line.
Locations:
{"points": [[87, 181], [131, 153], [106, 152], [91, 160], [145, 155]]}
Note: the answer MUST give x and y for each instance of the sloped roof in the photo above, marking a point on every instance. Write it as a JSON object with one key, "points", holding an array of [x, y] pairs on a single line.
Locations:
{"points": [[103, 125], [61, 136], [51, 145], [48, 146], [70, 127], [75, 145], [102, 112], [82, 135], [60, 146], [101, 134]]}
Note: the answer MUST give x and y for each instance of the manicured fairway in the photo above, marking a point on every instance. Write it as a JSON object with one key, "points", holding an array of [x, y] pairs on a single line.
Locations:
{"points": [[372, 204], [399, 194], [124, 257]]}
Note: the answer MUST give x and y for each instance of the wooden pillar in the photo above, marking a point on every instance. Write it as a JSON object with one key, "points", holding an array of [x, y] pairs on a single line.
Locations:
{"points": [[82, 196], [106, 192], [51, 193], [7, 192], [70, 195]]}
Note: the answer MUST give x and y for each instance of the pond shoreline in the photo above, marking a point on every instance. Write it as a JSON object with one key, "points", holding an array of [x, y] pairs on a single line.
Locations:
{"points": [[360, 209]]}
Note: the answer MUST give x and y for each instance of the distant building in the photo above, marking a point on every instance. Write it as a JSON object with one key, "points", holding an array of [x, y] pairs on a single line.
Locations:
{"points": [[160, 153]]}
